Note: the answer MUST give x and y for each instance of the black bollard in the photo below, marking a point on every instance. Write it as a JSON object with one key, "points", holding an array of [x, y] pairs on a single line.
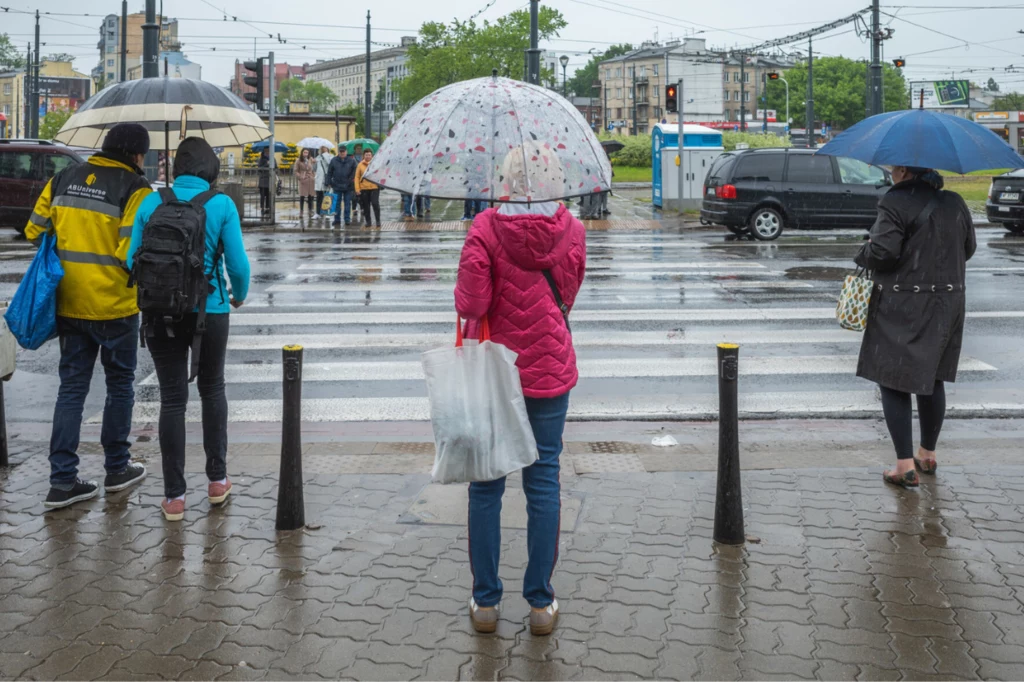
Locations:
{"points": [[728, 497], [291, 511], [4, 459]]}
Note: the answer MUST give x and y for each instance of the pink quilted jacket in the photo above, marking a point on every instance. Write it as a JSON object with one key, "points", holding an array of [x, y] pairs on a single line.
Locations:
{"points": [[501, 276]]}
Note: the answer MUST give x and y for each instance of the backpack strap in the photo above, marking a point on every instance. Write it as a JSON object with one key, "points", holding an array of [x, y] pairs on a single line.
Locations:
{"points": [[200, 200], [562, 307], [167, 195]]}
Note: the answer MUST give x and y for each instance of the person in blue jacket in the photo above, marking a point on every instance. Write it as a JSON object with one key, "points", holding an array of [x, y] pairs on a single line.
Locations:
{"points": [[196, 167]]}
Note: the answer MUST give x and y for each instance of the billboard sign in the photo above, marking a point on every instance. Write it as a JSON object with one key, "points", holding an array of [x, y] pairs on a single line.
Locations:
{"points": [[940, 94]]}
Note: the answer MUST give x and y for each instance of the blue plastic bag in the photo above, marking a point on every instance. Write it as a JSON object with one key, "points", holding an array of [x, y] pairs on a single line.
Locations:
{"points": [[32, 314]]}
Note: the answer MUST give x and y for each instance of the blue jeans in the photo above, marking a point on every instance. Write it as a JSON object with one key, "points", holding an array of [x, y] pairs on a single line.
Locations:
{"points": [[422, 201], [543, 506], [117, 344], [344, 197], [470, 207]]}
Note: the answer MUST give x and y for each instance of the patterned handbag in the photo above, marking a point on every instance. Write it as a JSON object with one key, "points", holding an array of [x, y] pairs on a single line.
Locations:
{"points": [[852, 309]]}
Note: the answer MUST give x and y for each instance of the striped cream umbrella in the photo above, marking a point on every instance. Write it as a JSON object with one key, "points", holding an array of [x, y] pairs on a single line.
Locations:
{"points": [[162, 106]]}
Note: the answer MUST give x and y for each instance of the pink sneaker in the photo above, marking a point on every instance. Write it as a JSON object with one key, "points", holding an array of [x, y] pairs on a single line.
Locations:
{"points": [[173, 510], [219, 491]]}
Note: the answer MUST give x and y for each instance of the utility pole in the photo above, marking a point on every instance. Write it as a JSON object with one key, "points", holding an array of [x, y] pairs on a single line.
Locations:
{"points": [[764, 101], [743, 92], [273, 145], [633, 90], [26, 123], [876, 64], [150, 39], [810, 94], [124, 40], [680, 183], [533, 54], [35, 85], [368, 115]]}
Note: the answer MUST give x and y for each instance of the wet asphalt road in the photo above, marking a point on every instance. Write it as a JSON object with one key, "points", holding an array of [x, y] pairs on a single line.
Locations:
{"points": [[656, 300]]}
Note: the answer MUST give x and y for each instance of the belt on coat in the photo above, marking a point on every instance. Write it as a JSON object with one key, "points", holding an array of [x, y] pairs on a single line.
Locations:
{"points": [[924, 288]]}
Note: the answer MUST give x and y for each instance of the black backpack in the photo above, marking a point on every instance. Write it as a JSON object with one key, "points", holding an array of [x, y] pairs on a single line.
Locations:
{"points": [[169, 266]]}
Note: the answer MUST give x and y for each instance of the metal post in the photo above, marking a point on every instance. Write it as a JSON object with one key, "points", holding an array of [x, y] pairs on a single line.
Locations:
{"points": [[565, 83], [764, 102], [26, 124], [291, 511], [787, 103], [681, 105], [35, 85], [150, 41], [368, 114], [633, 90], [124, 40], [337, 130], [875, 78], [273, 145], [809, 112], [728, 496], [4, 458], [743, 92], [533, 54]]}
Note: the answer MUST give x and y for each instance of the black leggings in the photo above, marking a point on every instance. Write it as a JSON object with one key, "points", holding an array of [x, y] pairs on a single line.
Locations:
{"points": [[931, 410], [319, 201], [302, 203], [370, 198]]}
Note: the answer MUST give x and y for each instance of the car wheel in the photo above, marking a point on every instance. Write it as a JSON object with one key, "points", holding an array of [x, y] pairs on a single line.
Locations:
{"points": [[1015, 228], [737, 229], [766, 224]]}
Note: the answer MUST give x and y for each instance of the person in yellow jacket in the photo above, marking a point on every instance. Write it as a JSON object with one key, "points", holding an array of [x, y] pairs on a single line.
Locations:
{"points": [[91, 208], [367, 192]]}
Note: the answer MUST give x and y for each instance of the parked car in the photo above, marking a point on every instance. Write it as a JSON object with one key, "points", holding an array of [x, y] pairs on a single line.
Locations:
{"points": [[1005, 203], [765, 191], [25, 168]]}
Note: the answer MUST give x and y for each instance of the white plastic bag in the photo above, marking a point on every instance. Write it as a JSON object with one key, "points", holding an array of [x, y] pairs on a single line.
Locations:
{"points": [[8, 350], [477, 409]]}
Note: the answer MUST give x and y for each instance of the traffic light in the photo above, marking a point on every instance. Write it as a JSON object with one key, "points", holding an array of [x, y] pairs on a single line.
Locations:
{"points": [[772, 76], [255, 81], [671, 101], [899, 63]]}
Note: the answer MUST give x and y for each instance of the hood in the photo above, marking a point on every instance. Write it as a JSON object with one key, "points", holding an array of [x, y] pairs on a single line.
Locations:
{"points": [[534, 241], [196, 157]]}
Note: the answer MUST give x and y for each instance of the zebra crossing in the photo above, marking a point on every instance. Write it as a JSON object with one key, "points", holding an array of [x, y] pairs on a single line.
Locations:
{"points": [[645, 327]]}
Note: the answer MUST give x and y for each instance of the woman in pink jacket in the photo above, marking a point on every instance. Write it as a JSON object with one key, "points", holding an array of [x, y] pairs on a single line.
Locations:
{"points": [[510, 253]]}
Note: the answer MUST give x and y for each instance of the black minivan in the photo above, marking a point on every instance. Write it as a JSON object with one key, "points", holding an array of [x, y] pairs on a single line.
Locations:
{"points": [[764, 191]]}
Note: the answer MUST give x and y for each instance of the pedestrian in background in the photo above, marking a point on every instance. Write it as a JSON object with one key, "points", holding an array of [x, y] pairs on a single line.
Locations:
{"points": [[368, 193], [92, 207], [407, 206], [306, 176], [263, 170], [195, 170], [422, 206], [323, 162], [341, 176], [918, 250], [503, 275]]}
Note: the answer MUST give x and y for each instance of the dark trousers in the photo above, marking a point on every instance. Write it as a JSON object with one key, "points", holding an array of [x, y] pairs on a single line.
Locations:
{"points": [[370, 198], [264, 199], [344, 200], [117, 344], [170, 358], [931, 411], [319, 202], [302, 204]]}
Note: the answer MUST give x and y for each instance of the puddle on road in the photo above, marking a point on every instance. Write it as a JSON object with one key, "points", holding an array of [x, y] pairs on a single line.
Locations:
{"points": [[817, 272]]}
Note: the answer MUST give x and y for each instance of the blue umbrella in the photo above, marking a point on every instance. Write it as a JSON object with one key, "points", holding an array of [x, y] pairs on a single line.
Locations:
{"points": [[278, 146], [925, 139]]}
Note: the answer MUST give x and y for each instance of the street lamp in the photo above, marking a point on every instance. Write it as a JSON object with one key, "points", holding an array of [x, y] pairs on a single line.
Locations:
{"points": [[564, 59], [773, 76]]}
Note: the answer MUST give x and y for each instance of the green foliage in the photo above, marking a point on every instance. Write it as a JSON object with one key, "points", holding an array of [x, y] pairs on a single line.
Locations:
{"points": [[357, 111], [840, 91], [637, 151], [321, 99], [753, 140], [992, 86], [10, 57], [1011, 101], [581, 84], [52, 123], [59, 57], [449, 53]]}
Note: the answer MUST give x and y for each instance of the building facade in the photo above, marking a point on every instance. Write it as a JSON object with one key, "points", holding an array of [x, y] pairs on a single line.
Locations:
{"points": [[346, 78], [60, 88], [754, 73], [108, 69], [176, 64], [282, 72]]}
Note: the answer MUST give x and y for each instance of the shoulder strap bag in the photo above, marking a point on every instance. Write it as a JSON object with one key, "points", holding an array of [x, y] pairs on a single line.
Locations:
{"points": [[558, 298]]}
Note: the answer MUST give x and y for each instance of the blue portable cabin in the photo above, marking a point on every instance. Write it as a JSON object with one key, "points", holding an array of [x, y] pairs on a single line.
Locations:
{"points": [[701, 146]]}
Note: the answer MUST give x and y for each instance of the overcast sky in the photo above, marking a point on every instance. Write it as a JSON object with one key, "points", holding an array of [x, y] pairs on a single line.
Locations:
{"points": [[974, 39]]}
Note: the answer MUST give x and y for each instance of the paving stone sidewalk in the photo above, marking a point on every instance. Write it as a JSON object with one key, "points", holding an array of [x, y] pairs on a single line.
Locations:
{"points": [[851, 579]]}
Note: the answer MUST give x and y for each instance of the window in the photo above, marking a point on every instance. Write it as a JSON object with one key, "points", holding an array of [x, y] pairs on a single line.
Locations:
{"points": [[55, 163], [721, 167], [655, 69], [854, 172], [657, 112], [618, 72], [7, 110], [110, 76], [746, 76], [16, 165], [760, 167], [746, 96], [643, 72], [735, 76], [110, 62], [7, 88], [631, 94], [725, 76], [618, 93], [736, 96], [618, 113], [810, 168]]}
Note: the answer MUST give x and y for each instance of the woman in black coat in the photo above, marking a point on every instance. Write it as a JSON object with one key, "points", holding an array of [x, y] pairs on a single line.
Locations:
{"points": [[918, 250]]}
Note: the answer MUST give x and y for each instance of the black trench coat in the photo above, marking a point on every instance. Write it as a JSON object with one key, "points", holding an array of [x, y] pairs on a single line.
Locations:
{"points": [[913, 339]]}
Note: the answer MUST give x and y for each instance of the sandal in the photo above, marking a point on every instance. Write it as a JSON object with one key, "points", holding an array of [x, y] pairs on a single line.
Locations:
{"points": [[907, 480], [926, 466]]}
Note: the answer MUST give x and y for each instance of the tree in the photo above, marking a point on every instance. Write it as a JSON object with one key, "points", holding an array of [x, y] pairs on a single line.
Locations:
{"points": [[1011, 101], [992, 86], [59, 57], [290, 90], [581, 83], [840, 91], [53, 122], [357, 111], [449, 53], [321, 98], [10, 57]]}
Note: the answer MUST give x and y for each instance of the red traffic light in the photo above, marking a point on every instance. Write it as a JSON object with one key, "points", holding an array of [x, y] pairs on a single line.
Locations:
{"points": [[773, 76], [671, 102], [899, 63]]}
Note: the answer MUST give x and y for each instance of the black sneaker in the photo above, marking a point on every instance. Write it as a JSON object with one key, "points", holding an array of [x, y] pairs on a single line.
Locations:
{"points": [[126, 479], [82, 490]]}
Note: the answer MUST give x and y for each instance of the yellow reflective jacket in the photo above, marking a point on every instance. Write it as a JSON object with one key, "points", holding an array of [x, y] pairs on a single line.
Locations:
{"points": [[92, 208]]}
